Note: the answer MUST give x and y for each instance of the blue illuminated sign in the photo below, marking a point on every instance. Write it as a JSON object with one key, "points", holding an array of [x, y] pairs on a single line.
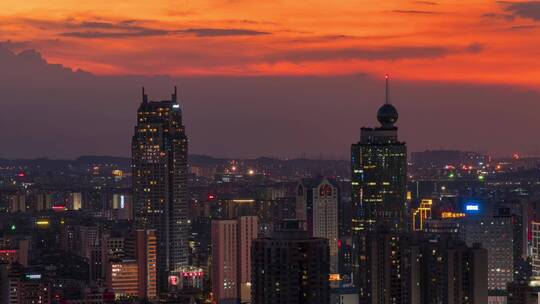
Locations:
{"points": [[472, 207]]}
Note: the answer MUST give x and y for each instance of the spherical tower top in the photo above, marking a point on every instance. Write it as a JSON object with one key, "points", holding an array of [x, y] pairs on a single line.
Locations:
{"points": [[387, 115]]}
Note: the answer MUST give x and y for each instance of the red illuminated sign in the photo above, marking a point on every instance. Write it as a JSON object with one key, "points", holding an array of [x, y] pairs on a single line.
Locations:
{"points": [[8, 251]]}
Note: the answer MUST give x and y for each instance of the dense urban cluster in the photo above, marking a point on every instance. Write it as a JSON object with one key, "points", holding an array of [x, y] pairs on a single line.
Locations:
{"points": [[386, 227]]}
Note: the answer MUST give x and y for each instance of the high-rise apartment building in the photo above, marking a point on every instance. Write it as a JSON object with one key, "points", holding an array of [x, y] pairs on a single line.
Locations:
{"points": [[535, 249], [290, 267], [159, 164], [419, 268], [495, 233], [146, 256], [385, 267], [317, 205], [447, 271], [325, 218], [231, 258]]}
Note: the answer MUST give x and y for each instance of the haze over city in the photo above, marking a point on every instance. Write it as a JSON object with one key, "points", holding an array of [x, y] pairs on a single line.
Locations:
{"points": [[269, 79]]}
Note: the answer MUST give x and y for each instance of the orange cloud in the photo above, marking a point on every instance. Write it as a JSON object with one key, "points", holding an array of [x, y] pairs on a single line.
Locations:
{"points": [[441, 40]]}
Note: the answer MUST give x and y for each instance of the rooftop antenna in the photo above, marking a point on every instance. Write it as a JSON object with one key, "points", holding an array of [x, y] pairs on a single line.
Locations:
{"points": [[174, 95], [387, 95], [144, 96]]}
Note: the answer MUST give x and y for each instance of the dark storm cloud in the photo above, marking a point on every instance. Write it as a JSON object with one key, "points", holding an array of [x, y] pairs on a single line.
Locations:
{"points": [[91, 29], [48, 110], [125, 34], [523, 27], [525, 9], [389, 53], [215, 32], [142, 32], [499, 16], [416, 12]]}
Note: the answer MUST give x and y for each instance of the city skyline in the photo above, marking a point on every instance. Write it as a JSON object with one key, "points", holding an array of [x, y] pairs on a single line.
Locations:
{"points": [[269, 152]]}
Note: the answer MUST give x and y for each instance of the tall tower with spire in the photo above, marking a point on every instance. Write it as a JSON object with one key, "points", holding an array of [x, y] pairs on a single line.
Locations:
{"points": [[379, 179], [159, 168]]}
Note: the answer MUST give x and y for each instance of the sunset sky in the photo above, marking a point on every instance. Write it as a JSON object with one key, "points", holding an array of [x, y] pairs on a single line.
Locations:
{"points": [[270, 77], [475, 40]]}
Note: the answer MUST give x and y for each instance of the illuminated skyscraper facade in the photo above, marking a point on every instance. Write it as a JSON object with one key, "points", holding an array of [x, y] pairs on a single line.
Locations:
{"points": [[379, 175], [159, 164]]}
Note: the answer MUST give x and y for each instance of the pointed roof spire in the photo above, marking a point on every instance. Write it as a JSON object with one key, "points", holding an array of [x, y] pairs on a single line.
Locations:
{"points": [[144, 96], [174, 95]]}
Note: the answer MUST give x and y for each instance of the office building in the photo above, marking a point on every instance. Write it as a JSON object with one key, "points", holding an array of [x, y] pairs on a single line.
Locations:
{"points": [[159, 169], [74, 201], [123, 278], [290, 267], [187, 277]]}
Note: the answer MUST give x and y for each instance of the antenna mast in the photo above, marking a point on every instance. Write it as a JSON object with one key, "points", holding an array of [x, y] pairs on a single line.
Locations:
{"points": [[387, 95]]}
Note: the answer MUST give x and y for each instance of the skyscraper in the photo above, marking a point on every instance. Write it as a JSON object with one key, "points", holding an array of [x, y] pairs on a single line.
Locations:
{"points": [[379, 174], [290, 267], [159, 164], [379, 180]]}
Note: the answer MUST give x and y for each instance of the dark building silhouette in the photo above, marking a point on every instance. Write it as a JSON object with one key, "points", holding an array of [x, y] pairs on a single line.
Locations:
{"points": [[418, 268], [290, 267], [523, 292], [159, 163], [445, 270]]}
